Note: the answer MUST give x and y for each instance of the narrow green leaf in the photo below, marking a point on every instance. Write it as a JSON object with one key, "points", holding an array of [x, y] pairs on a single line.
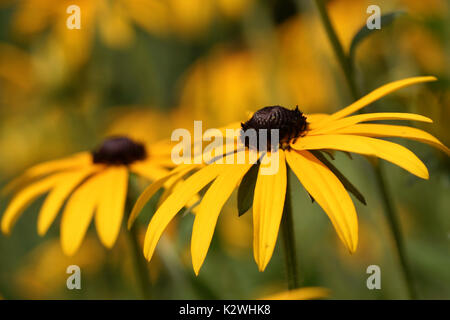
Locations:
{"points": [[364, 32], [247, 189], [347, 184]]}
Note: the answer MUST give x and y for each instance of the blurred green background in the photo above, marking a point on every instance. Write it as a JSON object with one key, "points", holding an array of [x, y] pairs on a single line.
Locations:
{"points": [[146, 67]]}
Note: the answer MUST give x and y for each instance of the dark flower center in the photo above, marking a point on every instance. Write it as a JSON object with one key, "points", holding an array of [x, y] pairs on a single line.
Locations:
{"points": [[119, 151], [291, 124]]}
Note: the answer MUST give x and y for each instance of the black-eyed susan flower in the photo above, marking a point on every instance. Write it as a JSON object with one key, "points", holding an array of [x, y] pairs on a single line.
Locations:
{"points": [[300, 136], [93, 183]]}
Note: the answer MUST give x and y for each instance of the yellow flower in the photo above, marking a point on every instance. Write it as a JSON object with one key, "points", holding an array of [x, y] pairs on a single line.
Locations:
{"points": [[300, 135], [16, 78], [92, 182]]}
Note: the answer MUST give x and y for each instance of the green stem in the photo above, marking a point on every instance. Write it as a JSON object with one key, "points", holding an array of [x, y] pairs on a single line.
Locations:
{"points": [[343, 59], [395, 228], [389, 207], [287, 232], [140, 264]]}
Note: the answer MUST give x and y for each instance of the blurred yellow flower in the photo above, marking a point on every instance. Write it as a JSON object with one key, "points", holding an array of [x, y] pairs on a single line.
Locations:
{"points": [[92, 182], [17, 81], [412, 43], [430, 7], [25, 146], [238, 74], [304, 75], [43, 271], [139, 123], [249, 80], [114, 20]]}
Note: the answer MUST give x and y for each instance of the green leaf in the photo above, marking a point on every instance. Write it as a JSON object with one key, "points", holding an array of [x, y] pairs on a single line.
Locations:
{"points": [[247, 189], [364, 32], [347, 184]]}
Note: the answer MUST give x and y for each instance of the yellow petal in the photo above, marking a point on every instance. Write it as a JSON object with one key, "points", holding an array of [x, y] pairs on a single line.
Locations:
{"points": [[172, 185], [345, 122], [165, 162], [209, 210], [315, 117], [75, 161], [149, 170], [373, 96], [175, 202], [78, 213], [233, 126], [24, 197], [385, 130], [169, 186], [58, 195], [386, 150], [268, 204], [306, 293], [328, 192], [161, 148], [150, 191], [111, 206]]}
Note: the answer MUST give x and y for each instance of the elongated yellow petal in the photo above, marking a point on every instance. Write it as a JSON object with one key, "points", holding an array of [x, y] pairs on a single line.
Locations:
{"points": [[165, 162], [78, 213], [349, 121], [58, 195], [386, 150], [169, 186], [148, 170], [150, 191], [173, 184], [315, 117], [175, 202], [209, 210], [328, 192], [233, 126], [161, 148], [75, 161], [306, 293], [24, 197], [111, 206], [373, 96], [268, 204], [385, 130]]}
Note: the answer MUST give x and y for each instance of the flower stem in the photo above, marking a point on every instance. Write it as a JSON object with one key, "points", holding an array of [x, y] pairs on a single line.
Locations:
{"points": [[140, 264], [395, 228], [389, 207], [287, 232], [343, 59]]}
